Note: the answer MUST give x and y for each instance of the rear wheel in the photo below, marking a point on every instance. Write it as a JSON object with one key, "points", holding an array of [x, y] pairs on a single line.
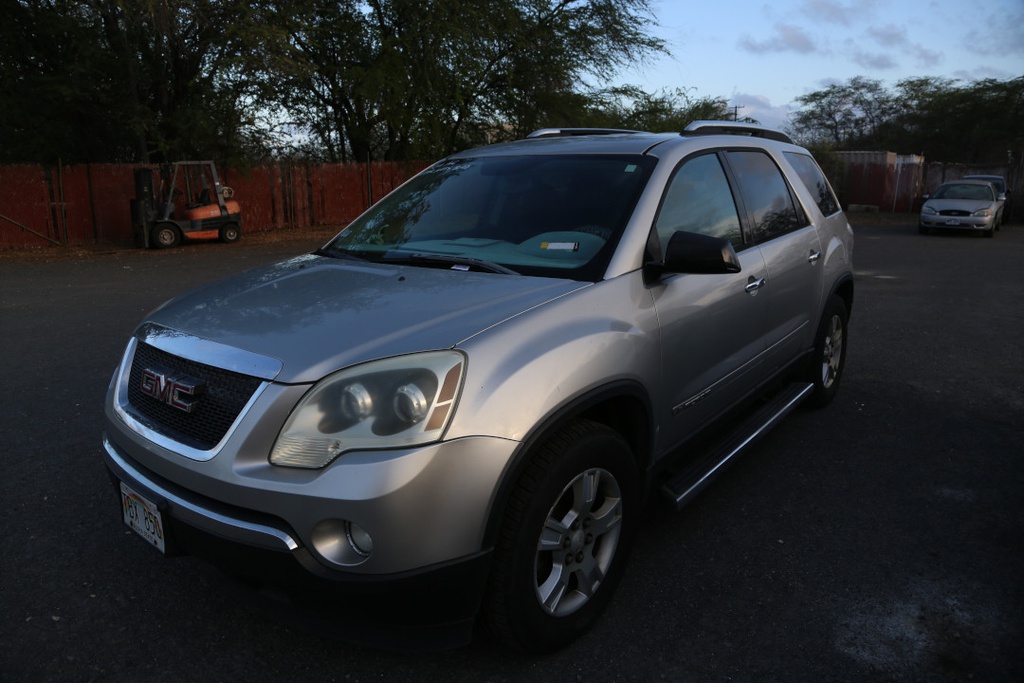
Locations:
{"points": [[564, 539], [165, 236], [230, 233], [826, 366]]}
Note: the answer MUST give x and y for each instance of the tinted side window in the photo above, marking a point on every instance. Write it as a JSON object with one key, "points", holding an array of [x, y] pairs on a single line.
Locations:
{"points": [[815, 181], [699, 200], [766, 195]]}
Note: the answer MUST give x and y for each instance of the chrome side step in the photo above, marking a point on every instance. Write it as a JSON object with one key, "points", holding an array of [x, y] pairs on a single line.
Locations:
{"points": [[685, 485]]}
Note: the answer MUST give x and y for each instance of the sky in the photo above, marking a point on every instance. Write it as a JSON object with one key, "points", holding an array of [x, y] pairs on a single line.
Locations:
{"points": [[761, 56]]}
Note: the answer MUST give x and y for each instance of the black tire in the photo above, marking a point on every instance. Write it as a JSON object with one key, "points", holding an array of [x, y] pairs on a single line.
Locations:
{"points": [[825, 369], [165, 236], [923, 230], [230, 233], [559, 555]]}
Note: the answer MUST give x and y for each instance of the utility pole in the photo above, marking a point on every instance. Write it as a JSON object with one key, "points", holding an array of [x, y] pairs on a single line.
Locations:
{"points": [[736, 112]]}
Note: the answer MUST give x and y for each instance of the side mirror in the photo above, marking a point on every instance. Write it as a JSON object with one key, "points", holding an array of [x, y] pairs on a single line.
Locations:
{"points": [[689, 252], [1001, 197]]}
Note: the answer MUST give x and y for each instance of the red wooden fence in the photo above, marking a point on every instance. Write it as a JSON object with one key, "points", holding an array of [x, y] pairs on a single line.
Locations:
{"points": [[90, 203]]}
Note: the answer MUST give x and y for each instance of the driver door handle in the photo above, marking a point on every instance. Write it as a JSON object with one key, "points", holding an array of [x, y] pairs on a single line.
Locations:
{"points": [[815, 255], [754, 284]]}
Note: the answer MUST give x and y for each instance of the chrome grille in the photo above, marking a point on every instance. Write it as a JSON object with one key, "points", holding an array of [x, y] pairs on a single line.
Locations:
{"points": [[225, 394]]}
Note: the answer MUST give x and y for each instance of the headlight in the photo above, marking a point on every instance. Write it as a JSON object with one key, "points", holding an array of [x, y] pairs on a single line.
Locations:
{"points": [[928, 211], [982, 212], [395, 402]]}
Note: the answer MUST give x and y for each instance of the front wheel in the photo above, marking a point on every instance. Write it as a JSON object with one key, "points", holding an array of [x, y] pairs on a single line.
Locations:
{"points": [[166, 236], [564, 539], [230, 233], [826, 366]]}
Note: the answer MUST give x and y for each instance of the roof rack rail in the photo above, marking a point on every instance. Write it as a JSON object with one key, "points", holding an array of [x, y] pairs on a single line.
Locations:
{"points": [[735, 128], [564, 132]]}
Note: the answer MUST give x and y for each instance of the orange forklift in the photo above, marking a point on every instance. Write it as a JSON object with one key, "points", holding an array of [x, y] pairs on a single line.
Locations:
{"points": [[189, 204]]}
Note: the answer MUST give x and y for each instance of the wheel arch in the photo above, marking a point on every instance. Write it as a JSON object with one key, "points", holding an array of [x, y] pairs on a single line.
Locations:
{"points": [[843, 288], [622, 406]]}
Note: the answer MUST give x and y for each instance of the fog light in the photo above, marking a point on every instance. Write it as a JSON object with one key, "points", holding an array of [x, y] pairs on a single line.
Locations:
{"points": [[358, 539], [342, 542]]}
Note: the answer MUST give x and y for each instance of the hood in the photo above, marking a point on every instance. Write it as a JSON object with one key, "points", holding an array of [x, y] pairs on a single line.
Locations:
{"points": [[971, 205], [317, 314]]}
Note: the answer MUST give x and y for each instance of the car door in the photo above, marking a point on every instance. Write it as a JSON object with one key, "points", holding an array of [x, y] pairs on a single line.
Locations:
{"points": [[712, 325], [791, 249]]}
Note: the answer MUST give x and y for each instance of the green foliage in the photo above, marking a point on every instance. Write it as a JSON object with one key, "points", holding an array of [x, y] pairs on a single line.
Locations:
{"points": [[126, 80], [631, 108], [399, 79], [942, 119], [149, 80]]}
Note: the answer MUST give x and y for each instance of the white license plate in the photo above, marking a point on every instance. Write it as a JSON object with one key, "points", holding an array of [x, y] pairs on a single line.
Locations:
{"points": [[952, 222], [143, 517]]}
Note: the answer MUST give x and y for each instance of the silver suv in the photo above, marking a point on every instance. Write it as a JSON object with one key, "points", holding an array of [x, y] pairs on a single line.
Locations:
{"points": [[456, 409]]}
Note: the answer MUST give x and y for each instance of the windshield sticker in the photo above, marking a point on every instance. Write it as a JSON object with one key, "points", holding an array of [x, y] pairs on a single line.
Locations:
{"points": [[631, 168], [560, 246]]}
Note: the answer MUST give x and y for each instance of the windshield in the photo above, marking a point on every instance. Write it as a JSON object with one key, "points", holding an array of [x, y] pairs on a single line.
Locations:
{"points": [[553, 216], [974, 192]]}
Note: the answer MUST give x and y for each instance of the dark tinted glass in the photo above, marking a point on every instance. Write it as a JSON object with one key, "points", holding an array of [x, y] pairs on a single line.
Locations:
{"points": [[815, 181], [766, 195], [699, 200], [547, 215]]}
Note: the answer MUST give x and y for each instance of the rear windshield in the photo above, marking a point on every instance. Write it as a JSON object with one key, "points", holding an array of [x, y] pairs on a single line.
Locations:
{"points": [[552, 216]]}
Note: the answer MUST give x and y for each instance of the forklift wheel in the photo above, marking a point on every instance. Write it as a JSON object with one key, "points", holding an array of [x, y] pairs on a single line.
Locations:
{"points": [[165, 236], [230, 233]]}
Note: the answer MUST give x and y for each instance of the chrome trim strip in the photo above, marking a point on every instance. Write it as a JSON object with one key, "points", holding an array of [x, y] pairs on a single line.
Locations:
{"points": [[229, 527], [209, 352], [705, 392], [776, 417], [140, 427]]}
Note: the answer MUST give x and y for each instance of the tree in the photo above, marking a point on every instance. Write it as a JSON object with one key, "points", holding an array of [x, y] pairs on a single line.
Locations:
{"points": [[129, 80], [977, 122], [151, 80], [632, 108], [843, 113], [395, 79]]}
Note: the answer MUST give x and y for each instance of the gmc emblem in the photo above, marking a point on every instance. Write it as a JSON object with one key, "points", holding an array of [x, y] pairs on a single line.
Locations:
{"points": [[180, 392]]}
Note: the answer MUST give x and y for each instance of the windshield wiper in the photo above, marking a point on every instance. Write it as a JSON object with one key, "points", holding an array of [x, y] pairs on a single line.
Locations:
{"points": [[455, 262], [330, 252]]}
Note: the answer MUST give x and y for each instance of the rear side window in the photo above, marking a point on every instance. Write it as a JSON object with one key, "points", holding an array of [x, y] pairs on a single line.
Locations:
{"points": [[766, 195], [812, 177], [699, 200]]}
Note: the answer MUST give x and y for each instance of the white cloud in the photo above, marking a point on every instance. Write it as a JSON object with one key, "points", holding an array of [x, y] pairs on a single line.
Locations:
{"points": [[889, 35], [1001, 34], [925, 58], [835, 12], [786, 38], [878, 61], [761, 109]]}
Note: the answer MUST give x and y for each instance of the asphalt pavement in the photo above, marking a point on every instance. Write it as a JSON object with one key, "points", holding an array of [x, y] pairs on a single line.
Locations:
{"points": [[879, 539]]}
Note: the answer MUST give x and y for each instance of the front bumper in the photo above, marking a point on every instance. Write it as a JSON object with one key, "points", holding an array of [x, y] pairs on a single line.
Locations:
{"points": [[957, 222], [432, 606]]}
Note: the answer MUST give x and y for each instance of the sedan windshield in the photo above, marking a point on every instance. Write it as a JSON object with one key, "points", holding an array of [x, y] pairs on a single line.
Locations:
{"points": [[964, 191], [552, 216]]}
